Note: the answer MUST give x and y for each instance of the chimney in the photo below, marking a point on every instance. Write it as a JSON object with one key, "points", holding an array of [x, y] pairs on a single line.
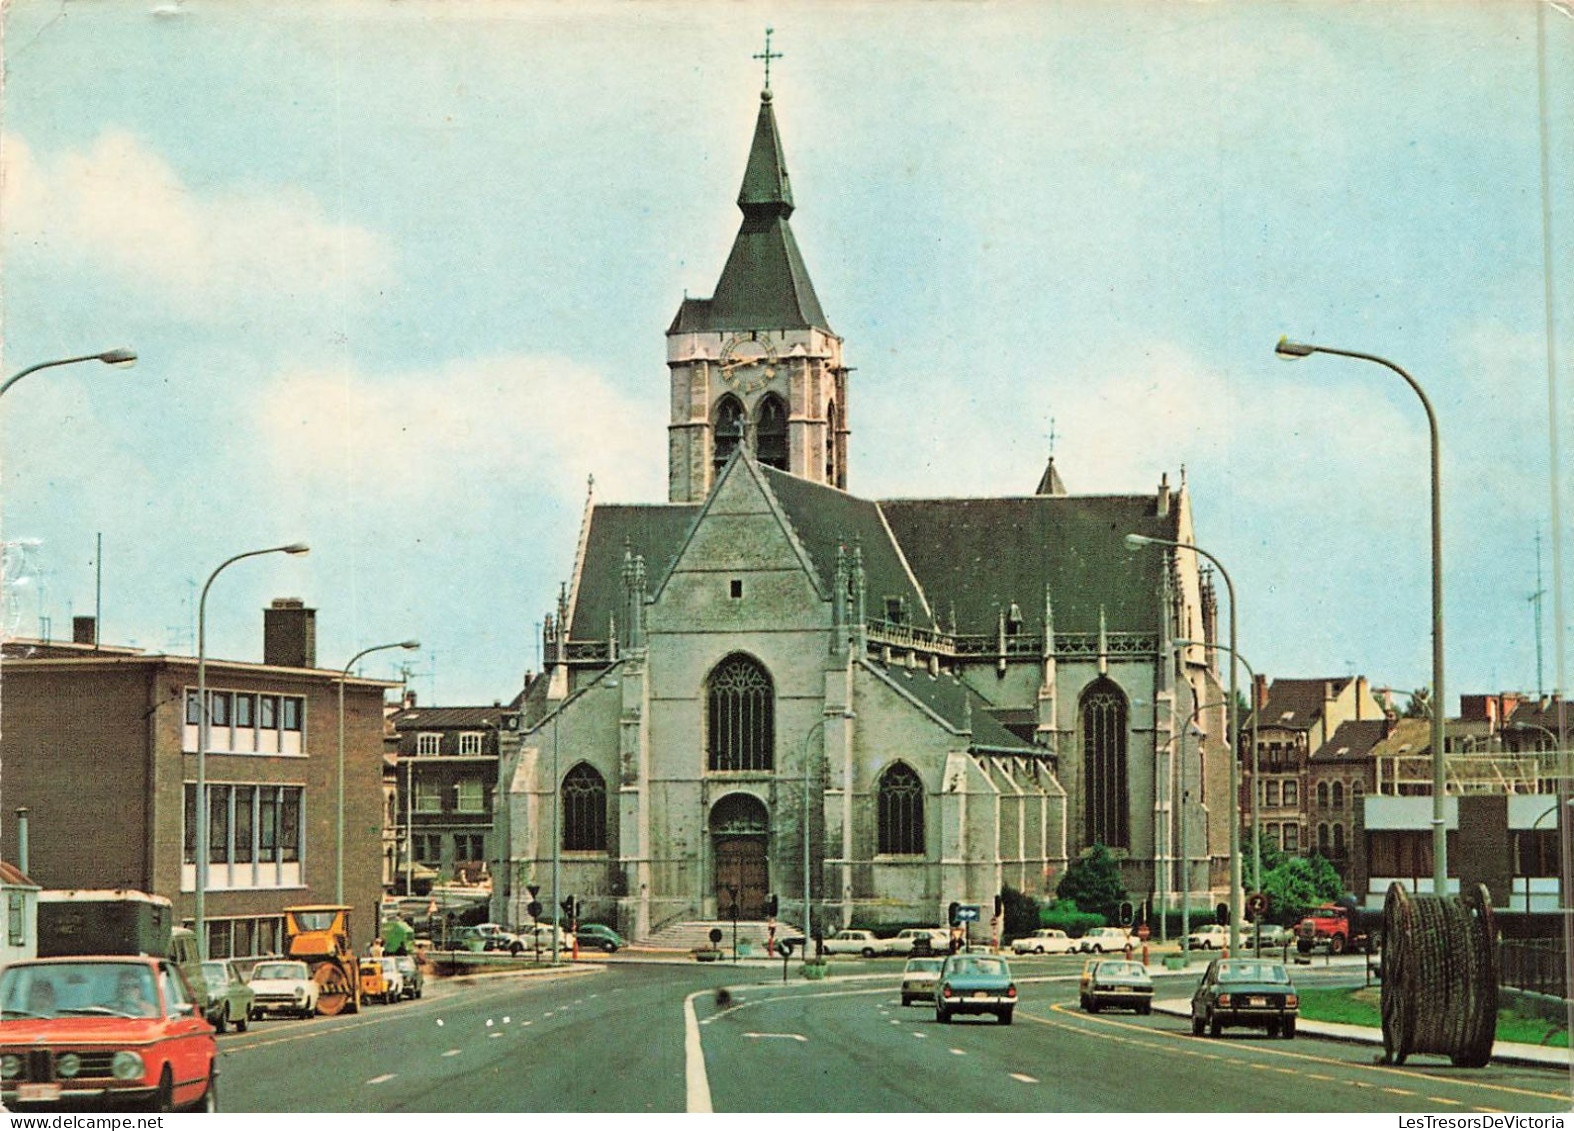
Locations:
{"points": [[1259, 692], [409, 699], [84, 630], [1361, 692], [1162, 509], [289, 634]]}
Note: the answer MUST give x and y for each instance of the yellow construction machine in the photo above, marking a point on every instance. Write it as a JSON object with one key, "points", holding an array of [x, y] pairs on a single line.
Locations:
{"points": [[319, 935]]}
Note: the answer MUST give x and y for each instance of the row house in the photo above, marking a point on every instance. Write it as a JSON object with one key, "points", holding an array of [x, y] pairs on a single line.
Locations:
{"points": [[100, 746]]}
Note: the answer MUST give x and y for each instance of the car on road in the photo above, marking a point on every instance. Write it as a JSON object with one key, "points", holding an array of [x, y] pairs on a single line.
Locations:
{"points": [[919, 978], [788, 945], [381, 980], [1101, 939], [494, 936], [601, 936], [1045, 941], [539, 937], [866, 943], [920, 941], [111, 1031], [283, 987], [1245, 992], [975, 983], [1118, 984], [1273, 935], [412, 979], [229, 997], [1212, 936]]}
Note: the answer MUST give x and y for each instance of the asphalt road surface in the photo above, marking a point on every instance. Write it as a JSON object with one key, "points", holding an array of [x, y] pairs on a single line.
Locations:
{"points": [[652, 1037]]}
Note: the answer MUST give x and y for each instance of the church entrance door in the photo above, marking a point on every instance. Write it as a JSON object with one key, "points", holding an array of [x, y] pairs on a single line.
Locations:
{"points": [[739, 826]]}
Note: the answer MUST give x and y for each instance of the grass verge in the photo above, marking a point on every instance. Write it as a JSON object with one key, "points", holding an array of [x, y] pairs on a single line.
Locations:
{"points": [[1363, 1007]]}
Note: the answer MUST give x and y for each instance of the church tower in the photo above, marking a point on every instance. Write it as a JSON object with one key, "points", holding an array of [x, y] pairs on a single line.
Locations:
{"points": [[757, 362]]}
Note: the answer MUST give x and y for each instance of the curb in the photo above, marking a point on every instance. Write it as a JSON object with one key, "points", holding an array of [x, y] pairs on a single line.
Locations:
{"points": [[1502, 1053]]}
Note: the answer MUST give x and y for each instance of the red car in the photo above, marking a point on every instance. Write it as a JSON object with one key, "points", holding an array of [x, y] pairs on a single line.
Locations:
{"points": [[103, 1032]]}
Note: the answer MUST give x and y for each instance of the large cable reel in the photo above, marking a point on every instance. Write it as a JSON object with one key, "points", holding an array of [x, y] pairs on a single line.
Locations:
{"points": [[1440, 975]]}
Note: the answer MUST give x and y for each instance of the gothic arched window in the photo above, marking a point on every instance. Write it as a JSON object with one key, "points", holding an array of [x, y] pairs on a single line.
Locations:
{"points": [[584, 810], [1338, 842], [901, 804], [727, 431], [1322, 795], [770, 433], [1338, 795], [741, 732], [1104, 798], [832, 425], [1322, 839]]}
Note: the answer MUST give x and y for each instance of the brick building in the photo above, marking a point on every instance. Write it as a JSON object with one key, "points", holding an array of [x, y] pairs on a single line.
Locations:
{"points": [[99, 743]]}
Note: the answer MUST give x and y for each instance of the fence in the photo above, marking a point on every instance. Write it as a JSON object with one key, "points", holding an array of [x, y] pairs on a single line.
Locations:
{"points": [[1536, 965]]}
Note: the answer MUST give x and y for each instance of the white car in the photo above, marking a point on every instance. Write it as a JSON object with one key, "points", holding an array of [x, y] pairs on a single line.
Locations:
{"points": [[283, 987], [1102, 940], [866, 943], [913, 940], [1046, 941], [1213, 936]]}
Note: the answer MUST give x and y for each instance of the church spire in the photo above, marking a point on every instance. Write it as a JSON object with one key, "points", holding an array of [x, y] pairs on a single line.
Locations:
{"points": [[766, 190]]}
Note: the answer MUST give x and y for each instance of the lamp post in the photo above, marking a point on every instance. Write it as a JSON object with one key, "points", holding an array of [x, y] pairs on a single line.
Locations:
{"points": [[1289, 349], [1256, 765], [338, 876], [123, 358], [819, 725], [1534, 825], [203, 719], [1136, 542]]}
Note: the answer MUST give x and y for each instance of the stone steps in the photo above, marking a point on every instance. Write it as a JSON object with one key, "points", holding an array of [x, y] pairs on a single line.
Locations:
{"points": [[693, 933]]}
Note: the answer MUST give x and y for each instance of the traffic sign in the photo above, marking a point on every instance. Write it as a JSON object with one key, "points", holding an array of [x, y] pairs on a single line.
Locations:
{"points": [[1256, 905], [967, 913]]}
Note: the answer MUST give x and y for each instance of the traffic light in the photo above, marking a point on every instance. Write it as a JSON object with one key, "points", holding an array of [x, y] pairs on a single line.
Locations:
{"points": [[770, 906], [568, 908], [951, 914], [1128, 913]]}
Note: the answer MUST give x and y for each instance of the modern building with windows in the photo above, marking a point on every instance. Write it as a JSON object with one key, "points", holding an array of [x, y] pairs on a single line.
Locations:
{"points": [[100, 745], [445, 776], [916, 701]]}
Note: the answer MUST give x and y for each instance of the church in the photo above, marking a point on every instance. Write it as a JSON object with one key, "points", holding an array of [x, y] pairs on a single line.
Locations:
{"points": [[768, 690]]}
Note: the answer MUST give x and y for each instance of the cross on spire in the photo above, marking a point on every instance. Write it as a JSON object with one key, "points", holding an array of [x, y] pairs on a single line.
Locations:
{"points": [[768, 55]]}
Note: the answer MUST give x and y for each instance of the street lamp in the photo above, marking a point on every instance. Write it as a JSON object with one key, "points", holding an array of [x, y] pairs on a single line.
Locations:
{"points": [[1289, 349], [808, 735], [122, 358], [338, 875], [1256, 788], [203, 720], [1136, 542]]}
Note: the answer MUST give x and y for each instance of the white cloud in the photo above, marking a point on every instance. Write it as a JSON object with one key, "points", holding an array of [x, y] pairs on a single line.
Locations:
{"points": [[508, 424], [117, 206]]}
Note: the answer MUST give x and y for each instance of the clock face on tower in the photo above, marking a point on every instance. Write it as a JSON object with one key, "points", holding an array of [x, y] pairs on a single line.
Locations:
{"points": [[747, 364]]}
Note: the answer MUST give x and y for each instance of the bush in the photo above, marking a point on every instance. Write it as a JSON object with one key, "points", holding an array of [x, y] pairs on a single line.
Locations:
{"points": [[1063, 915], [1022, 913], [1093, 883]]}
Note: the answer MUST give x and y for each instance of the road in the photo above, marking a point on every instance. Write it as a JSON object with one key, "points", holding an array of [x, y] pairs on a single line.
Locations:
{"points": [[619, 1038]]}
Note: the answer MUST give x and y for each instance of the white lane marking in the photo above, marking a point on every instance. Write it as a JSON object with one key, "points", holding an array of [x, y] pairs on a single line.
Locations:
{"points": [[1021, 1077], [439, 1022], [452, 1052], [493, 1036], [522, 1024], [697, 1086], [507, 1020], [488, 1022], [958, 1052], [778, 1036], [894, 1021], [383, 1079], [923, 1036]]}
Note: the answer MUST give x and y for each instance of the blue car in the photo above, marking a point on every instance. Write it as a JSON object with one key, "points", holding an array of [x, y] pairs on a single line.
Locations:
{"points": [[975, 983]]}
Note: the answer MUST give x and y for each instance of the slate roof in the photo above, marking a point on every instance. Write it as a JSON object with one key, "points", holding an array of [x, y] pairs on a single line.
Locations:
{"points": [[824, 518], [655, 530], [765, 284], [445, 718], [1409, 737], [1296, 704], [1352, 741], [1542, 713], [956, 703], [980, 555]]}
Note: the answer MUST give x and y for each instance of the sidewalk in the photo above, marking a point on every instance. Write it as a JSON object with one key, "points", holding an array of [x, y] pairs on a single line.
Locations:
{"points": [[1504, 1051]]}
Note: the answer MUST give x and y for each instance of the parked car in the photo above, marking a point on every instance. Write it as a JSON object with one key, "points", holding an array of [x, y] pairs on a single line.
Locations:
{"points": [[381, 980], [539, 936], [919, 978], [1045, 941], [115, 1030], [1211, 936], [975, 983], [920, 941], [1101, 939], [412, 980], [494, 936], [1116, 983], [1248, 992], [600, 935], [865, 943], [230, 998], [283, 987], [1273, 935]]}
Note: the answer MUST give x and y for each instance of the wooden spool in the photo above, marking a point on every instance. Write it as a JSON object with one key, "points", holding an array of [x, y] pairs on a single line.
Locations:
{"points": [[1440, 976]]}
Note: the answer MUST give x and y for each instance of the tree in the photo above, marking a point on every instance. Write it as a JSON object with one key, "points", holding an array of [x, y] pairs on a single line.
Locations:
{"points": [[1093, 883], [1021, 912], [1299, 883], [1420, 704]]}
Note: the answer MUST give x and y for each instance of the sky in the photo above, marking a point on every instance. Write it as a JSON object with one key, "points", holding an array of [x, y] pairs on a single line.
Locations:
{"points": [[399, 275]]}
